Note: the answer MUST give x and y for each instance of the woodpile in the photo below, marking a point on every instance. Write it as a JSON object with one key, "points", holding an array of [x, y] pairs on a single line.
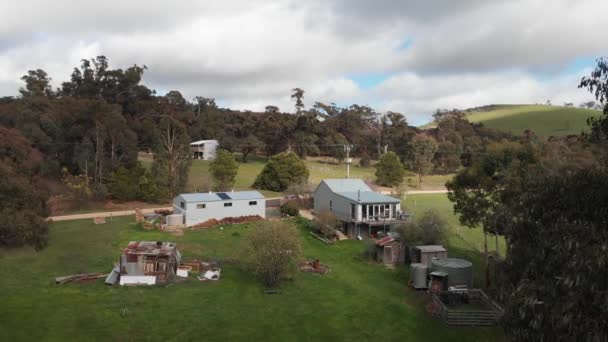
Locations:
{"points": [[79, 277], [139, 216], [228, 220], [314, 266]]}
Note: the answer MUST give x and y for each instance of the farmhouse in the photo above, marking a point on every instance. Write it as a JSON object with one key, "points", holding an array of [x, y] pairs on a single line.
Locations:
{"points": [[363, 212], [200, 207], [204, 149], [148, 262]]}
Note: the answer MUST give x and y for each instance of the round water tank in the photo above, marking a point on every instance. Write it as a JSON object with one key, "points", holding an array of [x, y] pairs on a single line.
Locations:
{"points": [[459, 271], [175, 220], [418, 275]]}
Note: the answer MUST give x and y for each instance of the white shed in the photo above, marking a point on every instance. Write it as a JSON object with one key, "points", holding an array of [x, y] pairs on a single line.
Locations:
{"points": [[200, 207], [204, 149]]}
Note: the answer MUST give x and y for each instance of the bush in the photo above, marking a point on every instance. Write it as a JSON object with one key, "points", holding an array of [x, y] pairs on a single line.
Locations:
{"points": [[326, 223], [273, 251], [389, 171], [224, 169], [283, 170], [290, 208], [365, 161], [428, 229], [133, 184]]}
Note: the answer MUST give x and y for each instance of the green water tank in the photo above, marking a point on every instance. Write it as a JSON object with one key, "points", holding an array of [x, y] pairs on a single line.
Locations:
{"points": [[459, 271]]}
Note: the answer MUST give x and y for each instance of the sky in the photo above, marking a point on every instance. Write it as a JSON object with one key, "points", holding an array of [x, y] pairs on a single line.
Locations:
{"points": [[406, 56]]}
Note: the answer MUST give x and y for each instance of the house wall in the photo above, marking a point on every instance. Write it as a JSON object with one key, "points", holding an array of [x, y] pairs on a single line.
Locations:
{"points": [[340, 206], [217, 210], [210, 150]]}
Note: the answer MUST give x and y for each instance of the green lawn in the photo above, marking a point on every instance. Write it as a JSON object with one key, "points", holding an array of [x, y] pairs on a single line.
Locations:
{"points": [[357, 300], [543, 120], [462, 242]]}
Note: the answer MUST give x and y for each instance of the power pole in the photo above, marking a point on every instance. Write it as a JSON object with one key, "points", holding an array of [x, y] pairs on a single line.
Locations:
{"points": [[348, 161]]}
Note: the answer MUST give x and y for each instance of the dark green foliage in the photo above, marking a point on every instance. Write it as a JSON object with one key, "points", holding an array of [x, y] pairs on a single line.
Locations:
{"points": [[423, 151], [290, 208], [133, 184], [23, 207], [365, 161], [389, 171], [430, 228], [272, 252], [224, 169], [281, 171], [555, 271]]}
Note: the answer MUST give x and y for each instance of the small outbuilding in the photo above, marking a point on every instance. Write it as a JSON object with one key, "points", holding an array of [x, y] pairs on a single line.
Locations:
{"points": [[196, 208], [204, 149], [148, 262], [425, 254], [389, 251]]}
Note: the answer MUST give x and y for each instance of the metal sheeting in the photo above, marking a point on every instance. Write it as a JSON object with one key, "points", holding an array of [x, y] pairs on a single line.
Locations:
{"points": [[418, 275], [460, 271]]}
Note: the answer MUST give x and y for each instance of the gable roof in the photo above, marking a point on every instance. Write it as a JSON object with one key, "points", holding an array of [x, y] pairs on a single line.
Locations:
{"points": [[221, 196], [356, 190], [346, 185], [203, 142]]}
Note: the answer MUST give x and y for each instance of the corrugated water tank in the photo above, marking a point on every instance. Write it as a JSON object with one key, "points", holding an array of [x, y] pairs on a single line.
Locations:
{"points": [[459, 271], [418, 275]]}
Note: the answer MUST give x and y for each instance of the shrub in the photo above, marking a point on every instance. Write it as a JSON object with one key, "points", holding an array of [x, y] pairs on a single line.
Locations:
{"points": [[326, 223], [290, 208], [428, 229], [272, 251], [389, 171], [283, 170], [224, 169], [365, 161]]}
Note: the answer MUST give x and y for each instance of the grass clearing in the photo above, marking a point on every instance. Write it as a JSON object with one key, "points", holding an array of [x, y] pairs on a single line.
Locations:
{"points": [[543, 120], [357, 300]]}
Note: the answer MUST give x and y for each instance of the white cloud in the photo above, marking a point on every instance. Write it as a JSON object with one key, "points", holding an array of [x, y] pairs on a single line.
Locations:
{"points": [[250, 54]]}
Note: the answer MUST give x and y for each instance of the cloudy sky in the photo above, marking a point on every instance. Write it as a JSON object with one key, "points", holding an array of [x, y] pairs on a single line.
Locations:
{"points": [[399, 55]]}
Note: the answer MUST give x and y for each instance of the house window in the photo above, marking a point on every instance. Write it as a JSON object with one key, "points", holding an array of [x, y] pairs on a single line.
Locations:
{"points": [[364, 210], [182, 205], [331, 206], [201, 206], [253, 202], [228, 204], [353, 210]]}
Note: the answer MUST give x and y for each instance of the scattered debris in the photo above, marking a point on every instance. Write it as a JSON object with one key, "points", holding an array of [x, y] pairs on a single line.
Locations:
{"points": [[164, 212], [139, 216], [112, 278], [272, 291], [195, 266], [314, 266], [79, 277], [137, 280], [321, 238], [183, 271], [228, 220], [99, 220], [212, 274]]}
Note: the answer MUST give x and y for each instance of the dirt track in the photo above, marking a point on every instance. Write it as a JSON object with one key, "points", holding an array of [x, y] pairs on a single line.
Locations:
{"points": [[102, 214]]}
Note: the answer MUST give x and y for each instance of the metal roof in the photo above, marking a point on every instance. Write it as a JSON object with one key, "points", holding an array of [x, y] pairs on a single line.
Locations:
{"points": [[356, 190], [369, 197], [451, 263], [150, 247], [214, 196], [203, 142], [346, 185], [431, 248]]}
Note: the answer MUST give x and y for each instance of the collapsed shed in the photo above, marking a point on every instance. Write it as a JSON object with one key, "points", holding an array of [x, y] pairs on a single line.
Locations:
{"points": [[148, 262]]}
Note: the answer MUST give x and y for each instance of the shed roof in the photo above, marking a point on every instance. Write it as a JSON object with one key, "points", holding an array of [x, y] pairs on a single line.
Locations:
{"points": [[221, 196], [356, 190], [369, 197], [198, 142], [431, 248], [150, 247], [346, 185]]}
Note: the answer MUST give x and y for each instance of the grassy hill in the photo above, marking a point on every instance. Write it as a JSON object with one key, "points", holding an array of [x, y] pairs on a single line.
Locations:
{"points": [[543, 120]]}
